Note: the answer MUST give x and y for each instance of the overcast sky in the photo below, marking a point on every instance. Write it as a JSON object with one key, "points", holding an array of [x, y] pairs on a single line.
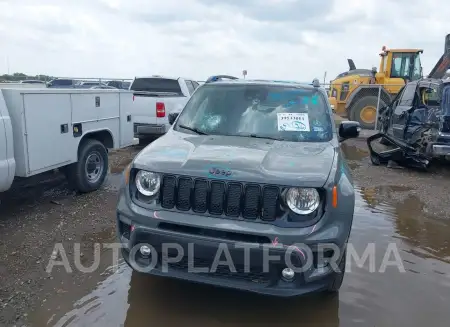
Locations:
{"points": [[280, 39]]}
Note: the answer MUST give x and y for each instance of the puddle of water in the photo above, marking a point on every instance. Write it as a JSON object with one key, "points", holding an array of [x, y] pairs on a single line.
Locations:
{"points": [[131, 299], [412, 222], [352, 152], [422, 230], [424, 256], [377, 195], [110, 294], [416, 297]]}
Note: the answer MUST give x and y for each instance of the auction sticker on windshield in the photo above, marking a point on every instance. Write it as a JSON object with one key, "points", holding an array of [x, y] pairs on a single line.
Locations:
{"points": [[293, 122]]}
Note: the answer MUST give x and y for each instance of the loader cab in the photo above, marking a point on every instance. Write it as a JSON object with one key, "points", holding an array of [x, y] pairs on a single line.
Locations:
{"points": [[400, 66], [406, 65]]}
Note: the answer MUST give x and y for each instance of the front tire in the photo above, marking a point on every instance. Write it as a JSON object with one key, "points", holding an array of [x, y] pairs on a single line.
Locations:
{"points": [[338, 276], [89, 173]]}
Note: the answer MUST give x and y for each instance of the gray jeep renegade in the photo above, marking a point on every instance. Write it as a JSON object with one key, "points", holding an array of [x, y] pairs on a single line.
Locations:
{"points": [[248, 190]]}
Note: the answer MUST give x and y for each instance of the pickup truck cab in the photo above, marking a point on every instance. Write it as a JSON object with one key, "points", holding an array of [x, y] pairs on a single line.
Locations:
{"points": [[250, 174], [154, 98], [415, 125]]}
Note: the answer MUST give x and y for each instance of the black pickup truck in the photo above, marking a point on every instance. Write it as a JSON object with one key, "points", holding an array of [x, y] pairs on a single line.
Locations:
{"points": [[416, 124]]}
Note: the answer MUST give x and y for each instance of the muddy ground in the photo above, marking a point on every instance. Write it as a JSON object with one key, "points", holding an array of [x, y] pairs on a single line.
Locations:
{"points": [[405, 207]]}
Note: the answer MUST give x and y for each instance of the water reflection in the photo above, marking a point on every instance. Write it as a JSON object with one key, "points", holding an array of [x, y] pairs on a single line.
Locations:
{"points": [[353, 152], [412, 223], [420, 230], [193, 304], [418, 297], [375, 196], [105, 306]]}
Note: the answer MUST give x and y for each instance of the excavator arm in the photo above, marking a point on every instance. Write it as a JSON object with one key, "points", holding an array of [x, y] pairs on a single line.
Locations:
{"points": [[443, 63]]}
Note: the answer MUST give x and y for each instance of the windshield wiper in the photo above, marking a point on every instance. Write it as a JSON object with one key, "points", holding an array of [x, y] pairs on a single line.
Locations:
{"points": [[193, 129], [262, 137]]}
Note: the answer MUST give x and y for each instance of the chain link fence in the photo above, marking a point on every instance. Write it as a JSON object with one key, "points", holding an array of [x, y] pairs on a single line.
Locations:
{"points": [[120, 83], [361, 102], [352, 100], [68, 82], [96, 79]]}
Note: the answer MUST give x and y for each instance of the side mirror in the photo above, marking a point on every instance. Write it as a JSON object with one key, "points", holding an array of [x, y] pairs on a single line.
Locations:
{"points": [[349, 130], [172, 117]]}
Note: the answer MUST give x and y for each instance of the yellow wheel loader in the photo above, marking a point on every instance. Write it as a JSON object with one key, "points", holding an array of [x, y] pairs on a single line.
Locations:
{"points": [[357, 93]]}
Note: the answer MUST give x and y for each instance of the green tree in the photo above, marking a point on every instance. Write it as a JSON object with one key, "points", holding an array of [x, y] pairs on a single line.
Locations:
{"points": [[17, 77]]}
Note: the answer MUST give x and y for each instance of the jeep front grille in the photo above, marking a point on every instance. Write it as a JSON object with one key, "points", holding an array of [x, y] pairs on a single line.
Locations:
{"points": [[220, 198]]}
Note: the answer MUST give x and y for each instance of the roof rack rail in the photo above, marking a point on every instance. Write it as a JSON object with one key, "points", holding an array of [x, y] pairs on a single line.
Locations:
{"points": [[216, 78]]}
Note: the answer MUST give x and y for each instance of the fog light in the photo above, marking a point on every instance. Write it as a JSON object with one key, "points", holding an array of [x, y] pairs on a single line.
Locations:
{"points": [[145, 250], [288, 274]]}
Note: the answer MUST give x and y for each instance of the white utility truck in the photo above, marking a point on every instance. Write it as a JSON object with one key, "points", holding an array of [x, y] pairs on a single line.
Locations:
{"points": [[68, 129], [154, 98]]}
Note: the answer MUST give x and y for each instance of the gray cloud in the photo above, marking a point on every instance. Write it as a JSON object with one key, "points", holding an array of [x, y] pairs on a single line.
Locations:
{"points": [[53, 27], [286, 11], [283, 39], [278, 23]]}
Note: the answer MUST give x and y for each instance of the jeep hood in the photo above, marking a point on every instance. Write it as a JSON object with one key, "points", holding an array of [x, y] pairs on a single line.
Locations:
{"points": [[239, 158]]}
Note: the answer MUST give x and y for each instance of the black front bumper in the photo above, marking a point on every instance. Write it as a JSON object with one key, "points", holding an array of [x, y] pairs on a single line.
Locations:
{"points": [[146, 130], [194, 261]]}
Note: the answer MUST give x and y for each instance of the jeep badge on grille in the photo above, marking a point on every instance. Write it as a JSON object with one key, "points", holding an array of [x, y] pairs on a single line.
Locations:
{"points": [[219, 172]]}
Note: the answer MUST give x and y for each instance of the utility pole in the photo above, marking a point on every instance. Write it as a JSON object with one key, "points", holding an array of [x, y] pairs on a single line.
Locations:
{"points": [[324, 77]]}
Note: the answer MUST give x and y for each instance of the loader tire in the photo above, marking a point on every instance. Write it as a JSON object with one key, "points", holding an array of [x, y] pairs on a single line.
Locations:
{"points": [[89, 173], [364, 111]]}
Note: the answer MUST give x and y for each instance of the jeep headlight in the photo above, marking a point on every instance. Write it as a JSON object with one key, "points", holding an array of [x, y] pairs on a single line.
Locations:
{"points": [[147, 183], [302, 201]]}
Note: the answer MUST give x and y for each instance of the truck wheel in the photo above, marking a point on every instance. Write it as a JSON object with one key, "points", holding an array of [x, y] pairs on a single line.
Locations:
{"points": [[364, 111], [89, 173], [338, 276]]}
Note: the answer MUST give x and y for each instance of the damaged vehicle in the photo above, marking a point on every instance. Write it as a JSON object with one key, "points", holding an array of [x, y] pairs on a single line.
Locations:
{"points": [[415, 126], [248, 190]]}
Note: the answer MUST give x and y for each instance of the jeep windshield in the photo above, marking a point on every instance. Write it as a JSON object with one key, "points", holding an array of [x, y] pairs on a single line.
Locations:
{"points": [[289, 113]]}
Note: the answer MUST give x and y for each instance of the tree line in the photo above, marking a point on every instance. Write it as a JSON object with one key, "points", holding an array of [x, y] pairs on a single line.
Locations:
{"points": [[16, 77]]}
